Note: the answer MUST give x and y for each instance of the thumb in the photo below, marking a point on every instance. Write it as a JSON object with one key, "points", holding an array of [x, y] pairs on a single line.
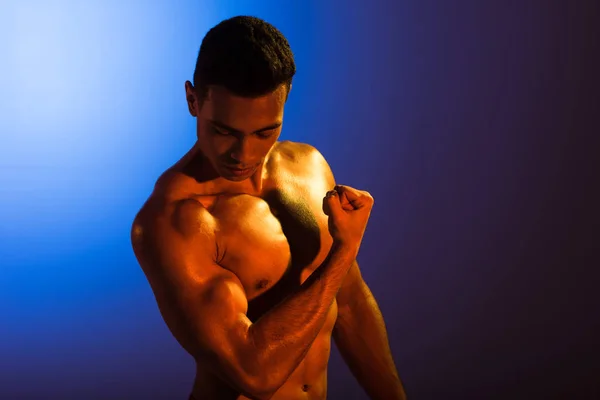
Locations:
{"points": [[331, 204]]}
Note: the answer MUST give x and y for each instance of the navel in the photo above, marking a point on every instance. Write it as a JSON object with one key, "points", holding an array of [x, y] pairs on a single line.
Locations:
{"points": [[305, 388]]}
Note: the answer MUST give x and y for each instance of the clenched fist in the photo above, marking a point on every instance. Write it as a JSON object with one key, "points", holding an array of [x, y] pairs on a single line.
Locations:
{"points": [[348, 210]]}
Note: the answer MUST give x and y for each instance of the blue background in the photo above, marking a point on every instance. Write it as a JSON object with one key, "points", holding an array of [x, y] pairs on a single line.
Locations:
{"points": [[466, 120]]}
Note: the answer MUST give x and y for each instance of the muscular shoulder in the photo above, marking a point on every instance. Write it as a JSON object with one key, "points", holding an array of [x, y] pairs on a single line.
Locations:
{"points": [[164, 227], [303, 159], [298, 152]]}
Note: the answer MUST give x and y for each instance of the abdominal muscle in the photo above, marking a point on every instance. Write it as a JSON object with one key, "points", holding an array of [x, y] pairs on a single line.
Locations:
{"points": [[308, 381]]}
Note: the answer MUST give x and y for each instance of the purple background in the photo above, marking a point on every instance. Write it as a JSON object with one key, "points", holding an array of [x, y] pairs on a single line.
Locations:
{"points": [[471, 122]]}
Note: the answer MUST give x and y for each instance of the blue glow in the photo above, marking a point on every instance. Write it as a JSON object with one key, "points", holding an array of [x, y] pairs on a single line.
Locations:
{"points": [[92, 110]]}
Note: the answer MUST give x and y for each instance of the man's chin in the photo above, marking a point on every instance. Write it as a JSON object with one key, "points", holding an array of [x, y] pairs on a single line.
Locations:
{"points": [[236, 175]]}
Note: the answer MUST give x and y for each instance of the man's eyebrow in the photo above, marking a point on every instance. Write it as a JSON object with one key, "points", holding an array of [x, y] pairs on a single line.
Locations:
{"points": [[233, 130]]}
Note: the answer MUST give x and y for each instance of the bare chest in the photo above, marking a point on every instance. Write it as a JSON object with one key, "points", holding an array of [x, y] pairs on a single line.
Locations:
{"points": [[272, 243]]}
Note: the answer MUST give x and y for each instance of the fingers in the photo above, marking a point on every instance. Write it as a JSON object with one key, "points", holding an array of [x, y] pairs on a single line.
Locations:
{"points": [[353, 197], [347, 189], [331, 204]]}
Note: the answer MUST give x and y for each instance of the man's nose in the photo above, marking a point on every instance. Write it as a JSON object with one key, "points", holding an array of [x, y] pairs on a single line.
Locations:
{"points": [[241, 152]]}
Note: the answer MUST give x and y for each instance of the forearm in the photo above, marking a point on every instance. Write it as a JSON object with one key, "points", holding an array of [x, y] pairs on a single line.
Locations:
{"points": [[361, 337], [282, 336]]}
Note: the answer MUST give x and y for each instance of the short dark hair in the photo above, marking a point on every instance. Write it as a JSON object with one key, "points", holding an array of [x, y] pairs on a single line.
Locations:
{"points": [[245, 55]]}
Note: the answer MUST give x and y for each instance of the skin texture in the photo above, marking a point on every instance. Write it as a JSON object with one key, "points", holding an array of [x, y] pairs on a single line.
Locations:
{"points": [[248, 272]]}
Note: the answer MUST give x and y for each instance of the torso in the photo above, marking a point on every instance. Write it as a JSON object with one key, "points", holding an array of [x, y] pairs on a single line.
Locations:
{"points": [[272, 241]]}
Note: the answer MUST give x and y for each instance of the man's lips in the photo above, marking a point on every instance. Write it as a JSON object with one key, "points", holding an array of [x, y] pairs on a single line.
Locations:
{"points": [[239, 171]]}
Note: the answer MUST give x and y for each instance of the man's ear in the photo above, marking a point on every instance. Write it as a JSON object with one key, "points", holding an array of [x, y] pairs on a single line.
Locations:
{"points": [[191, 98]]}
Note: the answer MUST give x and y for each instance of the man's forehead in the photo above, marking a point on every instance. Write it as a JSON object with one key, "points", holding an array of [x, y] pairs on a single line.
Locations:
{"points": [[226, 107], [220, 93]]}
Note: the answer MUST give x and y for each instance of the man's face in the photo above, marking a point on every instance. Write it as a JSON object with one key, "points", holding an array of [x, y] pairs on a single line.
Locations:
{"points": [[235, 134]]}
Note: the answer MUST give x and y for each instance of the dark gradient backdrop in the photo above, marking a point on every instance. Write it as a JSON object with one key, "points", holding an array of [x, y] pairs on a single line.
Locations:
{"points": [[471, 122]]}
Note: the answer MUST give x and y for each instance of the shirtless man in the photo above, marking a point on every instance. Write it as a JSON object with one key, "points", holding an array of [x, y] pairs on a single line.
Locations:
{"points": [[248, 244]]}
